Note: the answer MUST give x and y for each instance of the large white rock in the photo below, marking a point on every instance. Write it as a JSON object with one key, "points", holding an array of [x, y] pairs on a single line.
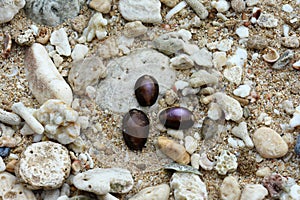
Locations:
{"points": [[254, 192], [9, 8], [44, 165], [60, 40], [147, 11], [188, 186], [43, 78], [102, 181], [230, 189], [160, 192]]}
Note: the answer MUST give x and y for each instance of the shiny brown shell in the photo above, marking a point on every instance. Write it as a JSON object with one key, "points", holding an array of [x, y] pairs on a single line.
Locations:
{"points": [[146, 90], [135, 129], [176, 118]]}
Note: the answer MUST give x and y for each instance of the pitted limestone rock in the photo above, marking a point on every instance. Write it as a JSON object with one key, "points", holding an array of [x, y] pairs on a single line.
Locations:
{"points": [[226, 162], [50, 12], [59, 121], [102, 181], [160, 192], [44, 165], [9, 8]]}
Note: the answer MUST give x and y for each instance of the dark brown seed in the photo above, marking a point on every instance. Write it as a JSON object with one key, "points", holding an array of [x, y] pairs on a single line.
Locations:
{"points": [[176, 118], [146, 90], [135, 129]]}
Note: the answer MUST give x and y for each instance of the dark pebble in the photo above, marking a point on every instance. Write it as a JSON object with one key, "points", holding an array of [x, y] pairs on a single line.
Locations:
{"points": [[297, 146], [4, 151]]}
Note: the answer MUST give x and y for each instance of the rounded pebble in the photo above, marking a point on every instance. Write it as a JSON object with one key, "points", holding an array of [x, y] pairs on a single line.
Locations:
{"points": [[4, 151], [230, 189]]}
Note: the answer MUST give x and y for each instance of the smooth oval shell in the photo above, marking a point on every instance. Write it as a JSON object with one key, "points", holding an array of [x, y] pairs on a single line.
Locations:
{"points": [[176, 118], [146, 90], [270, 55], [135, 129]]}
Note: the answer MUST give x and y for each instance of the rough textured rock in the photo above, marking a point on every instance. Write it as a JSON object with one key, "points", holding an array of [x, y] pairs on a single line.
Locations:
{"points": [[10, 189], [59, 120], [160, 192], [269, 144], [226, 162], [254, 192], [116, 92], [230, 189], [234, 74], [134, 29], [147, 11], [86, 72], [9, 8], [242, 132], [59, 39], [102, 6], [202, 58], [51, 13], [181, 62], [101, 181], [230, 106], [203, 78], [188, 186], [95, 28], [169, 43], [44, 80], [238, 5], [44, 165]]}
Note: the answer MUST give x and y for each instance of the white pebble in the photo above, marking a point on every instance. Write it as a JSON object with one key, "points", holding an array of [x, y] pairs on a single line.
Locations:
{"points": [[242, 91], [287, 8], [286, 30], [295, 192], [60, 40], [2, 165], [242, 32], [190, 144], [221, 6], [176, 9], [79, 52], [176, 133], [195, 160]]}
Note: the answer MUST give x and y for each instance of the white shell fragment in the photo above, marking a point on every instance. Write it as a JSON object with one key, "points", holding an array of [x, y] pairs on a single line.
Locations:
{"points": [[295, 121], [242, 91], [241, 131], [59, 120], [205, 163], [270, 55]]}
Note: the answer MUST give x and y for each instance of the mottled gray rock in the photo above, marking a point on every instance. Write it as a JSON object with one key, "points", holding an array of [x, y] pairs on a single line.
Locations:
{"points": [[52, 12], [169, 43], [86, 72], [102, 181], [9, 117], [238, 5], [160, 192], [257, 42], [283, 60], [44, 165], [188, 186], [134, 29], [199, 8], [43, 78], [9, 8], [202, 58], [181, 62], [116, 92], [147, 11], [267, 20], [201, 78]]}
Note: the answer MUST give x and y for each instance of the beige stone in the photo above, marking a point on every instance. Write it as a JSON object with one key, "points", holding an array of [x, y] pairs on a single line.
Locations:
{"points": [[102, 6], [173, 150], [254, 192], [269, 143], [230, 189], [160, 192]]}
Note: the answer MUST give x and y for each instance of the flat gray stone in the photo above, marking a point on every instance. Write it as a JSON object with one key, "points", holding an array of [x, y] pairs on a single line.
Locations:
{"points": [[116, 92]]}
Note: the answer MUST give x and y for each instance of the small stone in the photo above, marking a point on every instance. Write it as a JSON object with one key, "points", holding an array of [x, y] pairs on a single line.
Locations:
{"points": [[134, 29], [283, 60], [274, 184], [190, 144], [4, 152], [215, 111], [170, 3], [226, 162], [242, 91], [205, 163], [269, 144], [297, 146], [79, 52], [96, 28], [160, 192], [79, 23], [173, 150], [101, 181], [262, 172], [58, 60], [295, 121], [242, 132], [219, 59], [224, 45], [108, 48], [201, 78], [86, 72], [59, 39], [290, 42], [234, 74], [267, 20], [295, 192], [195, 159], [202, 58], [47, 160], [230, 189], [176, 133], [252, 2], [287, 8], [182, 62], [221, 6], [25, 38], [9, 9], [102, 6], [9, 118], [42, 71], [147, 11], [238, 59], [171, 97], [231, 107], [169, 43], [242, 32], [199, 8], [254, 192], [2, 165], [257, 42], [188, 186], [238, 5], [63, 127]]}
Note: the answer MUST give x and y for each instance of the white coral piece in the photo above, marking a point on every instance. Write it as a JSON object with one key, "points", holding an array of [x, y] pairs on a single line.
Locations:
{"points": [[59, 121], [226, 162], [9, 8], [96, 27]]}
